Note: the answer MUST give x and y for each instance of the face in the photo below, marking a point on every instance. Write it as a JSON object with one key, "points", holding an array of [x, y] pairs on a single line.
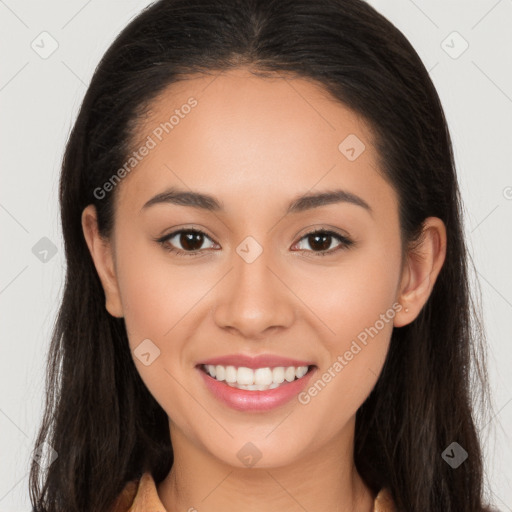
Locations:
{"points": [[250, 279]]}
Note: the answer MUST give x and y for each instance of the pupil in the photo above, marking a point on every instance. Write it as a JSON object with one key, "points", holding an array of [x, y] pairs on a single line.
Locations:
{"points": [[324, 246], [188, 238]]}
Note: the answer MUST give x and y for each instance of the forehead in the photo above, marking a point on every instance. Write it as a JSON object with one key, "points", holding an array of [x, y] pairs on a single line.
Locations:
{"points": [[237, 136]]}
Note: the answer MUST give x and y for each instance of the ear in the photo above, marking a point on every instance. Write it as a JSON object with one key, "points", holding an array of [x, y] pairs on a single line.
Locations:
{"points": [[421, 268], [102, 255]]}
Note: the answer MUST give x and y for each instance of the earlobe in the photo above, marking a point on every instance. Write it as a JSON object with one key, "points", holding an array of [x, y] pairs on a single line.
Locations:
{"points": [[102, 255], [422, 267]]}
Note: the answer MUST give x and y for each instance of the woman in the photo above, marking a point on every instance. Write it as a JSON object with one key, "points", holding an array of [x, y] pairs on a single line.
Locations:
{"points": [[266, 302]]}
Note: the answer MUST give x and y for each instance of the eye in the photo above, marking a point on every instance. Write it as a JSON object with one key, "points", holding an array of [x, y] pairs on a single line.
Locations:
{"points": [[320, 241], [191, 240]]}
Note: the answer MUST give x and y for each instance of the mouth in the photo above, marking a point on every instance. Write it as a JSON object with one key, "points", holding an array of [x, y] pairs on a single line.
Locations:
{"points": [[256, 379]]}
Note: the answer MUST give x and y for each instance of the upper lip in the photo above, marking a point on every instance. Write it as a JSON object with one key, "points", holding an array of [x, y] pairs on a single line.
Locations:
{"points": [[261, 361]]}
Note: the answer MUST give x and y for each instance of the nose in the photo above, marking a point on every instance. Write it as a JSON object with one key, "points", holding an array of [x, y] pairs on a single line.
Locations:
{"points": [[254, 299]]}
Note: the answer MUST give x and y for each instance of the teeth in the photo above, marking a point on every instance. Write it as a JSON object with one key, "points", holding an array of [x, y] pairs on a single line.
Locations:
{"points": [[231, 374], [259, 379], [301, 371], [220, 373], [262, 376], [244, 376], [278, 375], [289, 374]]}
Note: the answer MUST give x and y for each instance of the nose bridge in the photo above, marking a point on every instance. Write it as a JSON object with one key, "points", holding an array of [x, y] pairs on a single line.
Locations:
{"points": [[254, 298]]}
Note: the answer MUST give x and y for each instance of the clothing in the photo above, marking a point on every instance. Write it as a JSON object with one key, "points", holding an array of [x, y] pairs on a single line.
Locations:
{"points": [[142, 496]]}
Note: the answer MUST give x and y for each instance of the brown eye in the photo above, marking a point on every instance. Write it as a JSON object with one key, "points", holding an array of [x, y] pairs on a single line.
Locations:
{"points": [[320, 242], [190, 240]]}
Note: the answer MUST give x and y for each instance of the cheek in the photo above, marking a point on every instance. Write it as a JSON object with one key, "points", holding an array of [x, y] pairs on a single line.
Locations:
{"points": [[356, 303], [350, 296], [155, 292], [158, 300]]}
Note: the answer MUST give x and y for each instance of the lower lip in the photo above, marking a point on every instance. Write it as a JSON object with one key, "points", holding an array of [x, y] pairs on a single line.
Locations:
{"points": [[245, 400]]}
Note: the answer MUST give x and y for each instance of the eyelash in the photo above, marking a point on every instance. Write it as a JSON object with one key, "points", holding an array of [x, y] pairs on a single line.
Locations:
{"points": [[345, 242]]}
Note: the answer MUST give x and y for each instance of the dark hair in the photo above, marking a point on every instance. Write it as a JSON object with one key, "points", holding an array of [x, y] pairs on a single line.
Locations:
{"points": [[105, 426]]}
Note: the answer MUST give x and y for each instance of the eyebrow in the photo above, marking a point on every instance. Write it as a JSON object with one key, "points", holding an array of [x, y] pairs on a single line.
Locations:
{"points": [[299, 204]]}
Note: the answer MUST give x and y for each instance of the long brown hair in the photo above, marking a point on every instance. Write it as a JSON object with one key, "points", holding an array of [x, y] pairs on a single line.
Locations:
{"points": [[99, 417]]}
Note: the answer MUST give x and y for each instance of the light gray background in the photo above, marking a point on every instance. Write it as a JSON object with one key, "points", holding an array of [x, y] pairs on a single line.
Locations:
{"points": [[39, 99]]}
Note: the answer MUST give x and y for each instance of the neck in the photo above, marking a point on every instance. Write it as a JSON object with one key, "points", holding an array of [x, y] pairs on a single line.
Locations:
{"points": [[324, 480]]}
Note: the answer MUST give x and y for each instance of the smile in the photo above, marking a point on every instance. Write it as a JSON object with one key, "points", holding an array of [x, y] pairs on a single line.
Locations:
{"points": [[259, 389], [258, 379]]}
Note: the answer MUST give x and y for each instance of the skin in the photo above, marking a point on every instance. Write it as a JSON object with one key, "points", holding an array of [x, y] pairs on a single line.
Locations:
{"points": [[255, 144]]}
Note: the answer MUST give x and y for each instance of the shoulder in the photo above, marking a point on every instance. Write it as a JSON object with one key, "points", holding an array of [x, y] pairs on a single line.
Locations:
{"points": [[384, 501], [126, 497], [139, 496]]}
